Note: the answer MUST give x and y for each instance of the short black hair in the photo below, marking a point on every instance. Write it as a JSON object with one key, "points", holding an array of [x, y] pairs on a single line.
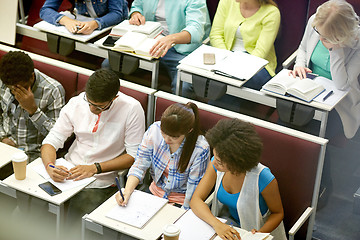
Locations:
{"points": [[102, 86], [16, 67], [236, 143]]}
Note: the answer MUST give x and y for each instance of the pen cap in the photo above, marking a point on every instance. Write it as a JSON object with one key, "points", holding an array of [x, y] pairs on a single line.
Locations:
{"points": [[171, 231]]}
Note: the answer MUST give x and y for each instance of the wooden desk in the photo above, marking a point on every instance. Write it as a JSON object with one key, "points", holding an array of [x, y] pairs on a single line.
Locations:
{"points": [[6, 153], [97, 219], [30, 186], [234, 88]]}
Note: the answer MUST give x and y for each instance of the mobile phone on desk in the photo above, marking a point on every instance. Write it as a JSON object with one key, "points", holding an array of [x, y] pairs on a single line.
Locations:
{"points": [[311, 75], [50, 188], [209, 58], [110, 41]]}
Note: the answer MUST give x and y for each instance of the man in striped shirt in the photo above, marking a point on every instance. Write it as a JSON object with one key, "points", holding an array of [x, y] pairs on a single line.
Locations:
{"points": [[30, 103]]}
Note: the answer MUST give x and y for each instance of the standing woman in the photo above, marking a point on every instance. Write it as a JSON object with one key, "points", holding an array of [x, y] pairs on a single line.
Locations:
{"points": [[176, 154], [105, 13], [186, 24], [244, 186], [331, 48], [248, 26]]}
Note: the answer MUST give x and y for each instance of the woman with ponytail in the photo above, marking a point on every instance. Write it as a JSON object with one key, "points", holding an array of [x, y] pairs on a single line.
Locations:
{"points": [[176, 154]]}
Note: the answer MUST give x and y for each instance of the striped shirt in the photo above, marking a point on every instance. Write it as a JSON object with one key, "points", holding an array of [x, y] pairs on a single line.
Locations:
{"points": [[29, 131], [154, 153]]}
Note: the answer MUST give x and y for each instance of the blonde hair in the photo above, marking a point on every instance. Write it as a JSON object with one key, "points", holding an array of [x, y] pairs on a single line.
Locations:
{"points": [[338, 20]]}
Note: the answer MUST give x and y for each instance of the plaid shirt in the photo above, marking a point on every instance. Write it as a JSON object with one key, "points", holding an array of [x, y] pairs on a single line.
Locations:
{"points": [[29, 131], [155, 153]]}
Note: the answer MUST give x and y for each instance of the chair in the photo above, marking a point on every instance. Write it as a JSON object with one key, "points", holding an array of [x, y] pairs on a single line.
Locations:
{"points": [[295, 158]]}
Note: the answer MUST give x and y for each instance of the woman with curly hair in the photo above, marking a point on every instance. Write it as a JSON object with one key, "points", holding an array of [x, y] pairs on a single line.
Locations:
{"points": [[246, 187]]}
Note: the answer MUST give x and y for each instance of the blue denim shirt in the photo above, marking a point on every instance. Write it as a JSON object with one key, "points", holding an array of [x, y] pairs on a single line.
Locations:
{"points": [[181, 15], [109, 12]]}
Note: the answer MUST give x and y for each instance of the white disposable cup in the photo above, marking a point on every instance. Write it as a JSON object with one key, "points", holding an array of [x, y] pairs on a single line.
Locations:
{"points": [[171, 232], [19, 161]]}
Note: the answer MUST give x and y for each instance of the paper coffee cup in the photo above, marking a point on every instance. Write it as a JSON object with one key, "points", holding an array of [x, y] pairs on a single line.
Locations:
{"points": [[19, 161], [171, 232]]}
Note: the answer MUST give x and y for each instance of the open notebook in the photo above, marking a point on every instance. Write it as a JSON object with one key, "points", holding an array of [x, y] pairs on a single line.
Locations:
{"points": [[139, 210], [237, 65], [67, 184]]}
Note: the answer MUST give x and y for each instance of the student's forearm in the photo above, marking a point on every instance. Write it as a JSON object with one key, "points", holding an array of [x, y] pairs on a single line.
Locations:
{"points": [[48, 154], [202, 210], [121, 162], [131, 184], [272, 222], [182, 37]]}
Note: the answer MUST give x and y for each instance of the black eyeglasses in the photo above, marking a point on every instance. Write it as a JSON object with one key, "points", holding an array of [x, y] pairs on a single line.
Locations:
{"points": [[315, 29], [106, 107]]}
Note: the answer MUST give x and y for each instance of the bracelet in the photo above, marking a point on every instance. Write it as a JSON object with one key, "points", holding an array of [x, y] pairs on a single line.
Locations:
{"points": [[98, 167]]}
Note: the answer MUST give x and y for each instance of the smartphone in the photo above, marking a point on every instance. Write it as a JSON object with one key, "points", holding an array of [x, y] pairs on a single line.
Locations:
{"points": [[50, 188], [209, 58], [311, 75], [110, 41]]}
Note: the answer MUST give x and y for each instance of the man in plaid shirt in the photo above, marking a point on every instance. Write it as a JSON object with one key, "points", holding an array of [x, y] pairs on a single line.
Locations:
{"points": [[30, 103]]}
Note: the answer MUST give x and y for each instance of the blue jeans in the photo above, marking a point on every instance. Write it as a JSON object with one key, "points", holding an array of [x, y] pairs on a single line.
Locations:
{"points": [[170, 61], [234, 103]]}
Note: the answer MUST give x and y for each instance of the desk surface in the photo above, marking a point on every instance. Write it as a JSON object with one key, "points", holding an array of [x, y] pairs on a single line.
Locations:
{"points": [[6, 153], [30, 185], [152, 230]]}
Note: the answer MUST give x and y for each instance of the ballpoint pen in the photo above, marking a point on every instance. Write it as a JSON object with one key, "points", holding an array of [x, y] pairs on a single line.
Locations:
{"points": [[118, 186], [52, 166], [328, 95]]}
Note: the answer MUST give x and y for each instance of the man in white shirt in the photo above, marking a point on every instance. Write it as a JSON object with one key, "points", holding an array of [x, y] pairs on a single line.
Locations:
{"points": [[108, 126]]}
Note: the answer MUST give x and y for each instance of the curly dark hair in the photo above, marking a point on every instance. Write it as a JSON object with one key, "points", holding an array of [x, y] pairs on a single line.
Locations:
{"points": [[236, 143], [102, 86], [16, 67]]}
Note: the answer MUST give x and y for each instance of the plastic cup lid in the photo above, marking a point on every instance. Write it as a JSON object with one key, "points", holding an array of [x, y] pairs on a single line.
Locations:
{"points": [[19, 157], [171, 230]]}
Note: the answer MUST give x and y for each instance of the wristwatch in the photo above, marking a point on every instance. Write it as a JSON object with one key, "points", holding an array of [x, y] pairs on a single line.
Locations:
{"points": [[98, 167]]}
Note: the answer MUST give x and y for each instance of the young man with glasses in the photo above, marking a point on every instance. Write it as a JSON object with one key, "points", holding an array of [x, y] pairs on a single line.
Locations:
{"points": [[108, 126]]}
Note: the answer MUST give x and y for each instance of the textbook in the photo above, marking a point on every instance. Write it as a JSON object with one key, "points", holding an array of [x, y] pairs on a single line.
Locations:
{"points": [[247, 235], [150, 28], [237, 65], [135, 42], [306, 89], [140, 209]]}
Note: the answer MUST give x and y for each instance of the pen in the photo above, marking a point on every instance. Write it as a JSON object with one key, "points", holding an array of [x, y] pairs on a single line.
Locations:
{"points": [[118, 185], [59, 169], [328, 95], [232, 226]]}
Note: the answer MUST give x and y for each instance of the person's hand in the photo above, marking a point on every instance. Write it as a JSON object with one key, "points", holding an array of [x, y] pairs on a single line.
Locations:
{"points": [[25, 97], [87, 27], [161, 47], [137, 19], [225, 231], [70, 24], [253, 231], [8, 141], [300, 71], [82, 171], [120, 200], [56, 174]]}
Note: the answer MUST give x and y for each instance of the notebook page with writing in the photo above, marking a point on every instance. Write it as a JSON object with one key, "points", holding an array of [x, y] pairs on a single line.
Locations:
{"points": [[67, 184], [139, 210], [192, 227]]}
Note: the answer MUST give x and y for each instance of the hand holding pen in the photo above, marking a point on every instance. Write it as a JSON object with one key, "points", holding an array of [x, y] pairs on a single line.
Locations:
{"points": [[121, 198], [58, 173]]}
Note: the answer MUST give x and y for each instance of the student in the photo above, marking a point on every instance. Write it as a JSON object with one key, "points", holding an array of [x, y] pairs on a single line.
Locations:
{"points": [[176, 153], [331, 48], [246, 187], [108, 126], [105, 14], [249, 26], [185, 24], [30, 103]]}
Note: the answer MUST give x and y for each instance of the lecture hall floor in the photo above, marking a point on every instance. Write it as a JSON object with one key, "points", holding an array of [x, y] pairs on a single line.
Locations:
{"points": [[337, 220]]}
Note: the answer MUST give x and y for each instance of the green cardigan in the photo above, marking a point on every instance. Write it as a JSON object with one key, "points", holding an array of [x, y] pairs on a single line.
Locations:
{"points": [[258, 31]]}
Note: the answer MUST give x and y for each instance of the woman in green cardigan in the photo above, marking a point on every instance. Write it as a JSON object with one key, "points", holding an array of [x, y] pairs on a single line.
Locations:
{"points": [[249, 26]]}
